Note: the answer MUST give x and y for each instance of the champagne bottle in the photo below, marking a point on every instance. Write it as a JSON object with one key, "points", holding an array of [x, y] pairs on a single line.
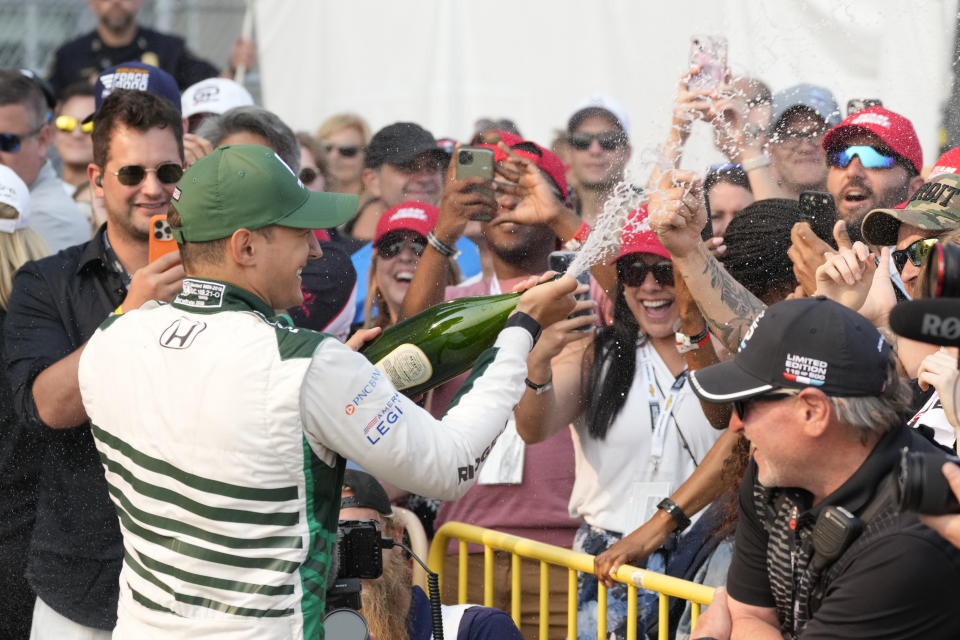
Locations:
{"points": [[440, 343]]}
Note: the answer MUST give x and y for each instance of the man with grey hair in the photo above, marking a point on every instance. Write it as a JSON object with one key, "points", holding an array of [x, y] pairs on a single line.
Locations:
{"points": [[816, 391], [25, 136], [253, 125]]}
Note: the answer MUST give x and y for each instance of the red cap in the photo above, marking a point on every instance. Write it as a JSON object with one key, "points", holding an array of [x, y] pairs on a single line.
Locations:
{"points": [[411, 216], [896, 132], [949, 162], [546, 159], [634, 240]]}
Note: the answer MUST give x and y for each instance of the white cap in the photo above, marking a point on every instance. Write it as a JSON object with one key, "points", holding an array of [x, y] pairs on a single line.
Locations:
{"points": [[214, 95], [600, 102], [14, 192]]}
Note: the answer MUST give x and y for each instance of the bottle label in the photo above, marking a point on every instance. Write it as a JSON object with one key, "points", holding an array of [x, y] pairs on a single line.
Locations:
{"points": [[406, 366]]}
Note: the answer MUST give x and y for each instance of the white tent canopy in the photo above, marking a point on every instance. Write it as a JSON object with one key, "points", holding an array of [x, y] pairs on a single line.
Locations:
{"points": [[445, 63]]}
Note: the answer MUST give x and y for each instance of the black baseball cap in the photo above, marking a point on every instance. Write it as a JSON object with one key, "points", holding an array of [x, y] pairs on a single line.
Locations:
{"points": [[367, 492], [810, 342], [400, 144]]}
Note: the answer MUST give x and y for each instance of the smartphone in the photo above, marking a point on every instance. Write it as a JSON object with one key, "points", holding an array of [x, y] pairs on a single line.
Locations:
{"points": [[560, 261], [476, 161], [859, 104], [819, 211], [161, 237], [709, 53]]}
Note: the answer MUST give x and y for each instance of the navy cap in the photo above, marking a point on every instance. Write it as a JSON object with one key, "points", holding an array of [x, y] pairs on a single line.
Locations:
{"points": [[400, 144], [136, 76], [810, 342], [820, 100]]}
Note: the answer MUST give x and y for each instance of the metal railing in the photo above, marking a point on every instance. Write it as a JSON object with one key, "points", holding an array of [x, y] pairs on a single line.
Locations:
{"points": [[573, 561]]}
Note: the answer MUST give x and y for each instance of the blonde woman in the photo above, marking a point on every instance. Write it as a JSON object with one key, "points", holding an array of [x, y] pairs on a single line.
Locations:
{"points": [[20, 448], [344, 137]]}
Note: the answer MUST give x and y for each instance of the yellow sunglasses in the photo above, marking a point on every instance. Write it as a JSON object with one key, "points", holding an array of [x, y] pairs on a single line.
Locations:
{"points": [[69, 123]]}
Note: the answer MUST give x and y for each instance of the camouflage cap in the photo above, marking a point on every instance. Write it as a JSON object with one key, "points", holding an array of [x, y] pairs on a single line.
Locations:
{"points": [[933, 207]]}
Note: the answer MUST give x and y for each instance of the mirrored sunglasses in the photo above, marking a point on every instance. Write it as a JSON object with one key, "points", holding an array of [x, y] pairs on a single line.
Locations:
{"points": [[69, 124], [10, 142], [608, 140], [635, 273], [390, 247], [870, 157], [347, 151], [134, 174], [916, 253]]}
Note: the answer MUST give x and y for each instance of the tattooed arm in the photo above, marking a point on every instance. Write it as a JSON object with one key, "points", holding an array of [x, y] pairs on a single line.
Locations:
{"points": [[677, 215]]}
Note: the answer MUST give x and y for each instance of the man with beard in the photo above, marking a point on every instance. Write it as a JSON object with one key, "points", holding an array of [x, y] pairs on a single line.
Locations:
{"points": [[521, 490], [875, 161], [392, 607], [118, 38]]}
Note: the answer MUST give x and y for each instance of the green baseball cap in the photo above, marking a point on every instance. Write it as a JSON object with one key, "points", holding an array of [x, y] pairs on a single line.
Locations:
{"points": [[935, 206], [248, 186]]}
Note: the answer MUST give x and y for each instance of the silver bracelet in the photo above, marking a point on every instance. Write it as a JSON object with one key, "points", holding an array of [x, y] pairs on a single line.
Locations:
{"points": [[442, 249]]}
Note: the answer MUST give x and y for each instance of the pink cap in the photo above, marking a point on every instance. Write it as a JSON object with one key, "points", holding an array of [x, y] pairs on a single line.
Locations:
{"points": [[949, 162], [634, 240], [896, 132], [545, 159], [411, 216]]}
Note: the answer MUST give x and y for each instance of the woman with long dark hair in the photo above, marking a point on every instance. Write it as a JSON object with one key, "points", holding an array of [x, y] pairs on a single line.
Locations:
{"points": [[639, 431]]}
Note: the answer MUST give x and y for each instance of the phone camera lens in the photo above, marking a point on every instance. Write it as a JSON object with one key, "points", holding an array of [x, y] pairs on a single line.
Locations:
{"points": [[466, 157], [158, 234]]}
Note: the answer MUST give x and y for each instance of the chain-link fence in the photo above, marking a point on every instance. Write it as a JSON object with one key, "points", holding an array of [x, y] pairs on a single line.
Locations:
{"points": [[31, 30]]}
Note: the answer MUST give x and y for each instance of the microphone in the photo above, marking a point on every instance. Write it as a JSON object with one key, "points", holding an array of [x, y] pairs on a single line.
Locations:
{"points": [[931, 320]]}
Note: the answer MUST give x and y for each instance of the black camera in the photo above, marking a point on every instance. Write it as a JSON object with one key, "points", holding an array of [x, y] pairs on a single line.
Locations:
{"points": [[465, 157], [941, 272], [357, 557], [922, 486]]}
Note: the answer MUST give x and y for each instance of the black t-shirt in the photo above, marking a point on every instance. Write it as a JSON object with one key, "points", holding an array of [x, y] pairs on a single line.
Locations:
{"points": [[85, 57], [76, 550], [902, 585]]}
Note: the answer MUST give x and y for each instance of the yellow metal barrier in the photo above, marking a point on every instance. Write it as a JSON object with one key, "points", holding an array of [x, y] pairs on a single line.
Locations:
{"points": [[549, 554]]}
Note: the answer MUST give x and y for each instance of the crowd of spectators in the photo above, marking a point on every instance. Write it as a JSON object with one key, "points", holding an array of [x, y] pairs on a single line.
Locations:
{"points": [[718, 399]]}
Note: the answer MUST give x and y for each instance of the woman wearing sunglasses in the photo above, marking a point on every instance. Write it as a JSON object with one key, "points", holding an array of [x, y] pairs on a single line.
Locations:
{"points": [[72, 135], [639, 431], [344, 137], [400, 239]]}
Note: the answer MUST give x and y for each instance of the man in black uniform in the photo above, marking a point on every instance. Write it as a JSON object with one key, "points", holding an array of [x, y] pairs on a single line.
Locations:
{"points": [[815, 390], [118, 38]]}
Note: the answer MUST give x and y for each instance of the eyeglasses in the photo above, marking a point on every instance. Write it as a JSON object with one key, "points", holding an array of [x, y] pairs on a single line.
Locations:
{"points": [[390, 247], [741, 407], [69, 124], [347, 151], [635, 273], [608, 140], [308, 175], [870, 157], [134, 174], [10, 142], [916, 253]]}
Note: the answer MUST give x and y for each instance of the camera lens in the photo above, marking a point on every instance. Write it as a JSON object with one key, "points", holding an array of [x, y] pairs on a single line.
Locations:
{"points": [[923, 488], [941, 273], [158, 234], [465, 157]]}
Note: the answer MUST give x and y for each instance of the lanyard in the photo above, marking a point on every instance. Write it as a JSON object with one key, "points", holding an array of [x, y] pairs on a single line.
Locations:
{"points": [[660, 412]]}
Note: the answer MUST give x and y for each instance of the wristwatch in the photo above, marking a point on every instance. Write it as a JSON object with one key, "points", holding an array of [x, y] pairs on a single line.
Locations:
{"points": [[676, 513]]}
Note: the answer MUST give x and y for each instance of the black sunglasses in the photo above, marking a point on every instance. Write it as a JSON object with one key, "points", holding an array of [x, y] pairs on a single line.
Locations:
{"points": [[10, 142], [635, 273], [389, 247], [608, 140], [308, 175], [347, 151], [741, 407], [134, 174], [916, 253]]}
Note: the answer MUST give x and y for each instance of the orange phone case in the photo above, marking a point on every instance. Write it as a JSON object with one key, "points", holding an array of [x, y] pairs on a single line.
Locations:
{"points": [[161, 237]]}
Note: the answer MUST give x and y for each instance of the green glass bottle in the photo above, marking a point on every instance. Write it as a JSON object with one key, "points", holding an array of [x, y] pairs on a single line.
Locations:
{"points": [[440, 343]]}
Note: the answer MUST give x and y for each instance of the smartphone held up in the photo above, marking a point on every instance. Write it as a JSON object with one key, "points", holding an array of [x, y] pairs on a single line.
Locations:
{"points": [[709, 55], [476, 161]]}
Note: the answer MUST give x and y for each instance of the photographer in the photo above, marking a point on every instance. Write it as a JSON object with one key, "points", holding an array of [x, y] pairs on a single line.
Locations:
{"points": [[392, 607], [947, 525], [223, 430]]}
